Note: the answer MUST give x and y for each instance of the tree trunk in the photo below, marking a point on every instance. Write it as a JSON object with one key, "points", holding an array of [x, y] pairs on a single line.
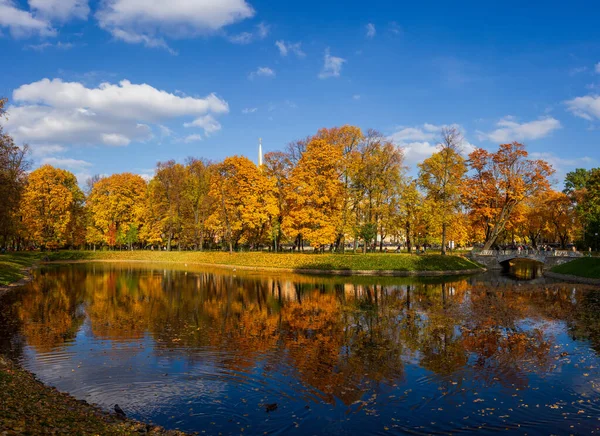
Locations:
{"points": [[444, 225]]}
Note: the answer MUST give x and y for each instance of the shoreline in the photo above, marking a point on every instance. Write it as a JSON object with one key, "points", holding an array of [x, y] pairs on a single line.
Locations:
{"points": [[56, 410], [571, 278], [30, 406], [28, 276], [307, 271]]}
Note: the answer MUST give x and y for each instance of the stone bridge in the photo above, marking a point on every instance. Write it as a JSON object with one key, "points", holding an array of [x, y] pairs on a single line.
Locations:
{"points": [[494, 259]]}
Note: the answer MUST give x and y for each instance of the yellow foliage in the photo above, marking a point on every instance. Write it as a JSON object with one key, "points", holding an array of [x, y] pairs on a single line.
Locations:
{"points": [[51, 207]]}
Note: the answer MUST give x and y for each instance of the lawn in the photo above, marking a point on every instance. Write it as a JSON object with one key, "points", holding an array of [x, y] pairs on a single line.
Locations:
{"points": [[588, 267], [12, 265], [290, 261]]}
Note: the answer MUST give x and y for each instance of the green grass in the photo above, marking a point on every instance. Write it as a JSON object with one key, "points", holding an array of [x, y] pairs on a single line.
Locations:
{"points": [[293, 261], [12, 265], [588, 267]]}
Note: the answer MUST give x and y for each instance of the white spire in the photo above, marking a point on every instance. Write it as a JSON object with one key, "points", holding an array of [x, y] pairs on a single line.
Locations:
{"points": [[260, 155]]}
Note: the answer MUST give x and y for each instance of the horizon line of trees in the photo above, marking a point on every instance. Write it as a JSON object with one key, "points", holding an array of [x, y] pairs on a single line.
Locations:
{"points": [[336, 189]]}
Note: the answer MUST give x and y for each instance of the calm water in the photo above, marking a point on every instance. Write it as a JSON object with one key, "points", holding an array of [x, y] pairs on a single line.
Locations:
{"points": [[213, 351]]}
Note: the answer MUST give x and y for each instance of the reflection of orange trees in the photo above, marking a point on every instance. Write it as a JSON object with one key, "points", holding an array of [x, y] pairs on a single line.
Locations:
{"points": [[341, 339], [48, 311], [314, 336], [505, 351], [117, 305]]}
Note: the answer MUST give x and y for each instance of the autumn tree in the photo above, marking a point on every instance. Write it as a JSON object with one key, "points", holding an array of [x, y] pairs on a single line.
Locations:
{"points": [[278, 167], [116, 209], [167, 200], [562, 216], [52, 207], [531, 219], [441, 176], [315, 195], [376, 179], [198, 204], [13, 175], [410, 217], [346, 140], [500, 181], [245, 202]]}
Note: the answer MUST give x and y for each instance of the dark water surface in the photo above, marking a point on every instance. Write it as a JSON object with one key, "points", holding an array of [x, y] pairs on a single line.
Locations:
{"points": [[212, 351]]}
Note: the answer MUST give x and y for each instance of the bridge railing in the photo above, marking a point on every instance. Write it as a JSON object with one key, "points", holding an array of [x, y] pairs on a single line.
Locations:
{"points": [[531, 252]]}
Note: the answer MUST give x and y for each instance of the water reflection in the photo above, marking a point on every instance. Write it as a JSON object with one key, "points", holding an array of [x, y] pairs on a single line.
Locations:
{"points": [[207, 351], [524, 269]]}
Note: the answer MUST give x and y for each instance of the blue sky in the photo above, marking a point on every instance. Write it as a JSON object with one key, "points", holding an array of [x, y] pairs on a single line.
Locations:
{"points": [[100, 87]]}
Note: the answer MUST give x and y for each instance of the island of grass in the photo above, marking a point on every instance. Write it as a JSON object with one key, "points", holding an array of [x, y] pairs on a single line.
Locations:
{"points": [[586, 267], [342, 264]]}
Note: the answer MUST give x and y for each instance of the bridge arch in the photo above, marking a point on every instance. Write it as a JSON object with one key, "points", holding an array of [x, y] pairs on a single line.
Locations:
{"points": [[497, 259]]}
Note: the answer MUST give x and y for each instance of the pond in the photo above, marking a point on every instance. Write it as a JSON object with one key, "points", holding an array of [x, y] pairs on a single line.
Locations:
{"points": [[227, 352]]}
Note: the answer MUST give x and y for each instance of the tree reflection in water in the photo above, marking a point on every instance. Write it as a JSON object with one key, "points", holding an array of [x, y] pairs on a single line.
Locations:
{"points": [[340, 340]]}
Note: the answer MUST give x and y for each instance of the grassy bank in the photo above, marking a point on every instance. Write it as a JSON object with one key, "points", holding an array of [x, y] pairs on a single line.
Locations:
{"points": [[29, 407], [588, 267], [12, 266], [292, 261]]}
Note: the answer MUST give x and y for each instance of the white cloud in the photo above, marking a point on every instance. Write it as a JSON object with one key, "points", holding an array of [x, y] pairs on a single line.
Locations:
{"points": [[262, 72], [148, 21], [44, 45], [68, 163], [23, 23], [192, 138], [80, 168], [61, 10], [261, 32], [420, 142], [577, 70], [40, 150], [356, 97], [286, 48], [510, 130], [395, 28], [421, 133], [164, 131], [125, 100], [587, 107], [249, 110], [57, 112], [115, 139], [332, 66], [371, 31], [207, 122], [563, 165]]}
